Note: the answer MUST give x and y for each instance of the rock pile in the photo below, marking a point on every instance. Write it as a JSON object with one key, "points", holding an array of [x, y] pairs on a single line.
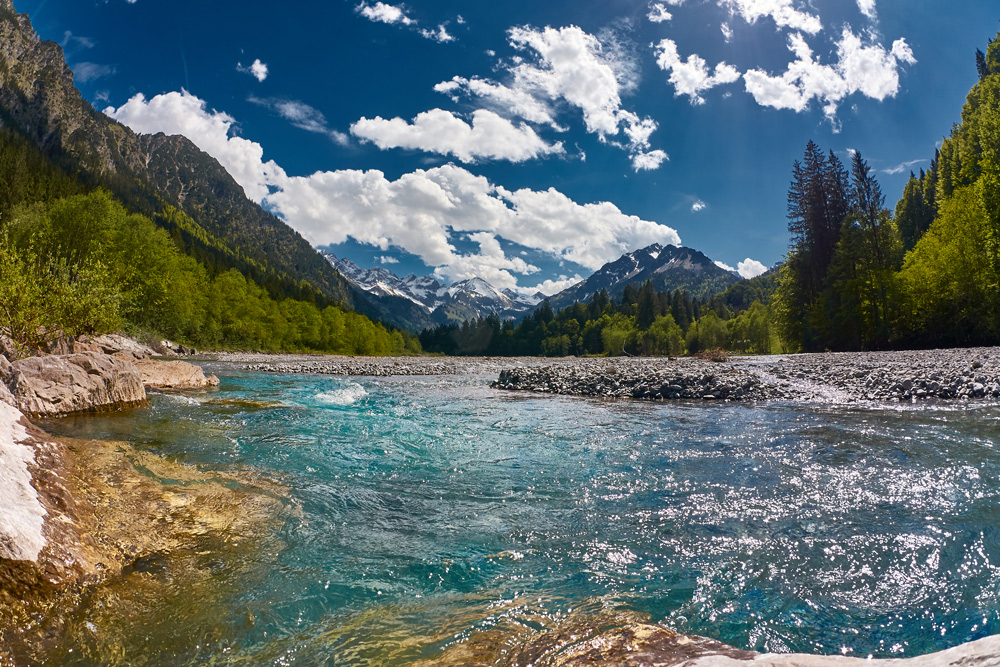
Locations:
{"points": [[956, 374], [692, 381]]}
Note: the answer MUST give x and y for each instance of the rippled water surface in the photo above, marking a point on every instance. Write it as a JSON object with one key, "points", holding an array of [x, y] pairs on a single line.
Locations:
{"points": [[434, 508]]}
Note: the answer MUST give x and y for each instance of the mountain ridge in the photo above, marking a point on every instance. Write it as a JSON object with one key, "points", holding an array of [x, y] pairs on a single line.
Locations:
{"points": [[463, 300], [668, 267]]}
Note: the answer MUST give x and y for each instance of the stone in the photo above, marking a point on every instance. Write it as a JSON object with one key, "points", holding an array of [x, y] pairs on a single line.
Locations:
{"points": [[85, 382], [173, 375]]}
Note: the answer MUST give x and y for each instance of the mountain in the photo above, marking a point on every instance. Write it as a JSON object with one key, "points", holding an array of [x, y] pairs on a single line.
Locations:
{"points": [[668, 267], [464, 300], [167, 178]]}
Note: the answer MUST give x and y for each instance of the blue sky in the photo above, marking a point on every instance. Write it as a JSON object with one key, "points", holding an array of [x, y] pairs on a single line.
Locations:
{"points": [[530, 142]]}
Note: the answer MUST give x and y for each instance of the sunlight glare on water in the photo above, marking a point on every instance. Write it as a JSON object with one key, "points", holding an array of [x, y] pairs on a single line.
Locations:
{"points": [[435, 508]]}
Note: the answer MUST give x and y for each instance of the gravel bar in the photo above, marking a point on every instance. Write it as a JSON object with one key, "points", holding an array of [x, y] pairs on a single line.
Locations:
{"points": [[844, 377], [848, 377]]}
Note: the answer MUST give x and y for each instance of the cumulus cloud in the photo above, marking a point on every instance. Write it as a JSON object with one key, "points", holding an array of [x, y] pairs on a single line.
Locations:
{"points": [[724, 266], [647, 161], [420, 212], [867, 8], [692, 77], [86, 72], [870, 70], [184, 113], [257, 69], [573, 66], [387, 259], [698, 205], [750, 268], [489, 136], [782, 12], [550, 287], [658, 13], [302, 116], [513, 101], [559, 68], [727, 32], [440, 35], [383, 13]]}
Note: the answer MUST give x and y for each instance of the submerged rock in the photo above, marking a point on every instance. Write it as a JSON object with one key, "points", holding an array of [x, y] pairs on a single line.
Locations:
{"points": [[173, 375], [626, 640], [79, 515], [85, 382]]}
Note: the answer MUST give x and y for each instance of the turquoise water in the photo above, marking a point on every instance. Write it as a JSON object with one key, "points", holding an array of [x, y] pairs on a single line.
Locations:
{"points": [[434, 508]]}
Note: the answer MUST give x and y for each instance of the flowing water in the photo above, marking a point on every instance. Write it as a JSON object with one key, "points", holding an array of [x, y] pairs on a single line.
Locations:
{"points": [[431, 509]]}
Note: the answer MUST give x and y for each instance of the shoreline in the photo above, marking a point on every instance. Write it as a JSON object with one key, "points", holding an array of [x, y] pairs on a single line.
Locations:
{"points": [[828, 378]]}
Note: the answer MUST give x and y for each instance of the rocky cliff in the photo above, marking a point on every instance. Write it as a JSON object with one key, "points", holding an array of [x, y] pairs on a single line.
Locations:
{"points": [[38, 98]]}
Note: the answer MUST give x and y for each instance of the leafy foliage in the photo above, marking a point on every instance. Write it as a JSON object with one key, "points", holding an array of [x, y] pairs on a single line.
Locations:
{"points": [[84, 264]]}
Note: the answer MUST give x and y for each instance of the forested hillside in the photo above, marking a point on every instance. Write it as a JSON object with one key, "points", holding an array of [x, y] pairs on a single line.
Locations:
{"points": [[859, 278]]}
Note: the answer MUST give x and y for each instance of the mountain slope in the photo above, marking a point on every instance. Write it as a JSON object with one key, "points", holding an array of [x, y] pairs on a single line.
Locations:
{"points": [[464, 300], [667, 267], [38, 99]]}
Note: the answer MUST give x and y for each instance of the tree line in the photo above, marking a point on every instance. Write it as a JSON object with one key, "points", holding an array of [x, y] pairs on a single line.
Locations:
{"points": [[643, 321], [74, 260], [860, 277]]}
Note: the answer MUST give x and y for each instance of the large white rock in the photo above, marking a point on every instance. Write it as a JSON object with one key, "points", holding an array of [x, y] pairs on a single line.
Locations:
{"points": [[22, 516]]}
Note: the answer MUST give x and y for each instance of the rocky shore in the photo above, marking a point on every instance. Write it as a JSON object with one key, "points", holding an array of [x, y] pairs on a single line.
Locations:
{"points": [[74, 514], [954, 374]]}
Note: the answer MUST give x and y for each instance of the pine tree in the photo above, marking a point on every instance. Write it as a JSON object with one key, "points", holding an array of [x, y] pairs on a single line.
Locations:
{"points": [[981, 67]]}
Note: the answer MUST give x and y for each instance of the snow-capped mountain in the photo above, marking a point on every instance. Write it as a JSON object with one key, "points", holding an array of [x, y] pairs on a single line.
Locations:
{"points": [[467, 299], [668, 267]]}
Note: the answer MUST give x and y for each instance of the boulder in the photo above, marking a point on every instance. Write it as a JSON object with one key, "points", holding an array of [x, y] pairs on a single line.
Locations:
{"points": [[6, 373], [75, 513], [113, 344], [85, 382], [173, 375]]}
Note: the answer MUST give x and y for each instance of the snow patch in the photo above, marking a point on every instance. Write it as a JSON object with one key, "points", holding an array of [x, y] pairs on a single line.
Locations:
{"points": [[22, 517]]}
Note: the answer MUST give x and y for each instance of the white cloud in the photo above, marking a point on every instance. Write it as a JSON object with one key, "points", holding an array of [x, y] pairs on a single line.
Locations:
{"points": [[692, 77], [513, 101], [183, 113], [86, 72], [647, 161], [750, 268], [257, 69], [869, 70], [302, 116], [867, 8], [419, 212], [698, 206], [727, 32], [658, 13], [387, 259], [490, 136], [903, 166], [383, 13], [560, 67], [574, 66], [784, 14], [440, 35], [724, 266], [550, 287]]}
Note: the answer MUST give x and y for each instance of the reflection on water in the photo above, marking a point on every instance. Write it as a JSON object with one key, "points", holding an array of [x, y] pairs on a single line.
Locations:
{"points": [[439, 516]]}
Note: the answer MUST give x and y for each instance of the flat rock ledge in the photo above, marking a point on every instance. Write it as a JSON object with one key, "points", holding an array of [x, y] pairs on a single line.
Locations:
{"points": [[586, 642], [84, 382], [173, 375], [911, 376]]}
